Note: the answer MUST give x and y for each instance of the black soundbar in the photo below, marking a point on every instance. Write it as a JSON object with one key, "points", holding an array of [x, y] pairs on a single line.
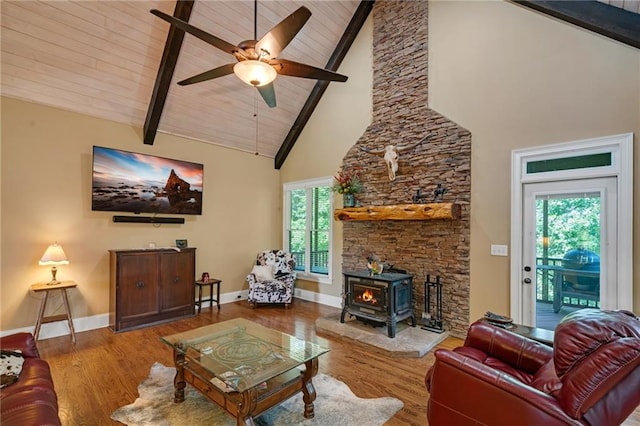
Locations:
{"points": [[147, 219]]}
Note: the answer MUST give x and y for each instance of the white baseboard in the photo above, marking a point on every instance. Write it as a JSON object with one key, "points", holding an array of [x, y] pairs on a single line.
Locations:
{"points": [[324, 299], [61, 328]]}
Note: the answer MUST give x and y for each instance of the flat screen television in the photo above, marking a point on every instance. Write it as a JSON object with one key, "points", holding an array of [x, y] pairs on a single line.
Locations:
{"points": [[124, 181]]}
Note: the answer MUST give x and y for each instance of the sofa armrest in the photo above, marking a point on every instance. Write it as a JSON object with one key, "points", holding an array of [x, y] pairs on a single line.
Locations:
{"points": [[492, 397], [20, 341], [524, 354]]}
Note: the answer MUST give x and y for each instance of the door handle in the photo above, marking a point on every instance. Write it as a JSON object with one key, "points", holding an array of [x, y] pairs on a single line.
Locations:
{"points": [[527, 280]]}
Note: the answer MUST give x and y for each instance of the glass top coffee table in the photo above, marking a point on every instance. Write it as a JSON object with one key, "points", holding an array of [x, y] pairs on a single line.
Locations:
{"points": [[244, 367]]}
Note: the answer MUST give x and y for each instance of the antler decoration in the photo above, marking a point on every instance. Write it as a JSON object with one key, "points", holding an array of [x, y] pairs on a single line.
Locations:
{"points": [[390, 155]]}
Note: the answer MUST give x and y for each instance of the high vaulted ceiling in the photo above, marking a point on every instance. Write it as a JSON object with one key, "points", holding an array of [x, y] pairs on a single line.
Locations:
{"points": [[101, 58]]}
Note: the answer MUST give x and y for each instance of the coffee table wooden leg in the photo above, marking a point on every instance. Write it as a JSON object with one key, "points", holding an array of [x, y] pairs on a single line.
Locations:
{"points": [[178, 381], [308, 391], [246, 408]]}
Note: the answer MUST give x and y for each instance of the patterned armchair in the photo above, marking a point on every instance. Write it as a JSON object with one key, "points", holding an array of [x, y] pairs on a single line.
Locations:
{"points": [[272, 279]]}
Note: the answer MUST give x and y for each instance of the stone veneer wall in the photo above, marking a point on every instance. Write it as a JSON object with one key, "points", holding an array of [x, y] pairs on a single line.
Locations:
{"points": [[401, 116]]}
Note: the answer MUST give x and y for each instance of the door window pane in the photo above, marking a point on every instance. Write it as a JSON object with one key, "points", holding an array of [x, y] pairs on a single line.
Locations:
{"points": [[567, 255]]}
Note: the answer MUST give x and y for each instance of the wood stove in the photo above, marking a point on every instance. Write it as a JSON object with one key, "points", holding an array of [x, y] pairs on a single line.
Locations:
{"points": [[379, 299]]}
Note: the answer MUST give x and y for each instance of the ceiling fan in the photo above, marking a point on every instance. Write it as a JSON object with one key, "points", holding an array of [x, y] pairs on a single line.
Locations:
{"points": [[257, 64]]}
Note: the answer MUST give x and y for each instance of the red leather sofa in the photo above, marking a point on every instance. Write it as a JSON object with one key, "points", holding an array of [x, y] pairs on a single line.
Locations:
{"points": [[591, 376], [32, 399]]}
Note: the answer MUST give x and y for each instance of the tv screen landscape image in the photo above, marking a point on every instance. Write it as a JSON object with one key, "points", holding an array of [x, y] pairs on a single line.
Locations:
{"points": [[124, 181]]}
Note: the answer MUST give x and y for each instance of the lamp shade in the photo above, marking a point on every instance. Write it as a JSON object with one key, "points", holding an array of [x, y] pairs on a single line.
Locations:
{"points": [[255, 73], [54, 255]]}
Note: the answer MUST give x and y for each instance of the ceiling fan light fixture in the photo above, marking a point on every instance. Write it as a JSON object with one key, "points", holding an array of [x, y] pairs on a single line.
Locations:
{"points": [[255, 73]]}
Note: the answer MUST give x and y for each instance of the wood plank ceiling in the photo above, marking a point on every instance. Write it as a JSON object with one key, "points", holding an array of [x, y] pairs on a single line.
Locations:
{"points": [[101, 58]]}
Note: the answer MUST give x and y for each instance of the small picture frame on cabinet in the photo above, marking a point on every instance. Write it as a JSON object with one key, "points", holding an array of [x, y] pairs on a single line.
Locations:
{"points": [[181, 244]]}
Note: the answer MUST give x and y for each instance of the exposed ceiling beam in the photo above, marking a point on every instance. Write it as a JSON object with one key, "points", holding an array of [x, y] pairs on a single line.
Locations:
{"points": [[165, 72], [349, 35], [609, 21]]}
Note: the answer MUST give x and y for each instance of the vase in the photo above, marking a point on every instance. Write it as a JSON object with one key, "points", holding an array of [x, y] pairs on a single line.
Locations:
{"points": [[348, 200]]}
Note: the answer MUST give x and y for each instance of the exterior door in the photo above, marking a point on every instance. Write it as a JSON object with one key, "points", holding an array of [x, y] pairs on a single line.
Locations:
{"points": [[568, 248], [571, 229]]}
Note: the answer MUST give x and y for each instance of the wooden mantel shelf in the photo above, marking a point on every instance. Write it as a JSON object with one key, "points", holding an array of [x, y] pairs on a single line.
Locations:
{"points": [[427, 211]]}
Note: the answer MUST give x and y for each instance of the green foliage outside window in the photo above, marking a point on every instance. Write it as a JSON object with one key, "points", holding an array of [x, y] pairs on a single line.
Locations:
{"points": [[572, 223], [309, 227]]}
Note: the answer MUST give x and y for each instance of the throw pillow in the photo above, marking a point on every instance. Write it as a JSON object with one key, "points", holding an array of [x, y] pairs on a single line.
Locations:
{"points": [[10, 367], [263, 273]]}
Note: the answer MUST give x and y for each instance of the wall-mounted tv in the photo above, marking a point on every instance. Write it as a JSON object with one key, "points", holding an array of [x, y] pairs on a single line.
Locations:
{"points": [[139, 183]]}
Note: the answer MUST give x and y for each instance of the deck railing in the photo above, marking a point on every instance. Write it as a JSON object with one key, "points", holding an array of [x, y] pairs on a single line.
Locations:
{"points": [[545, 278], [319, 261]]}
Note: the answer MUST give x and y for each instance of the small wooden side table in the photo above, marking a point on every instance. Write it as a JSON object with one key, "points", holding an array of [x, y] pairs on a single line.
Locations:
{"points": [[42, 319], [210, 283]]}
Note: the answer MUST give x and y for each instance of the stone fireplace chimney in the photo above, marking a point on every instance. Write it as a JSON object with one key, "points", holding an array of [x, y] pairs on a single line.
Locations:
{"points": [[401, 117]]}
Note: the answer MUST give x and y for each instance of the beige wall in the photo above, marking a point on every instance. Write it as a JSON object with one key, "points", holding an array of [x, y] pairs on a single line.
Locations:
{"points": [[46, 193], [515, 79], [340, 119], [518, 79]]}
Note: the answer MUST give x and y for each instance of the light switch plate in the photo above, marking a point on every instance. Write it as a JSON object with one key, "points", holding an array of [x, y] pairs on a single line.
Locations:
{"points": [[499, 250]]}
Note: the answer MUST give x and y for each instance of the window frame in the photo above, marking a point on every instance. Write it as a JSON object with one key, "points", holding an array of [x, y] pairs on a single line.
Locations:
{"points": [[308, 185]]}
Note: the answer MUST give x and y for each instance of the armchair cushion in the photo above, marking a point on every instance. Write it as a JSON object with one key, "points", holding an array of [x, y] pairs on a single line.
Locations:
{"points": [[595, 351], [263, 272]]}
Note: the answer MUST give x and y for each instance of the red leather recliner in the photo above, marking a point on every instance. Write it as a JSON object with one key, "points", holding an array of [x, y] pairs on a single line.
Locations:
{"points": [[591, 376]]}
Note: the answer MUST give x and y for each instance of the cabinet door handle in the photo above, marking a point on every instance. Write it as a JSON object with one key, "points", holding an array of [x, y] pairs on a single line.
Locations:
{"points": [[140, 284], [176, 280]]}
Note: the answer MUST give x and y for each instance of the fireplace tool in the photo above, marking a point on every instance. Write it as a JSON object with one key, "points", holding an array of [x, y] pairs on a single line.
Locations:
{"points": [[432, 316]]}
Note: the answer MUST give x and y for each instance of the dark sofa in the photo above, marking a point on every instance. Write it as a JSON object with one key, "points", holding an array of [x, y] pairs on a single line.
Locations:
{"points": [[591, 376], [31, 400]]}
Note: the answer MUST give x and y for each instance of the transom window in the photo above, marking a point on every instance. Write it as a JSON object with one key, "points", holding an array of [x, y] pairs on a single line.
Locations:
{"points": [[308, 225]]}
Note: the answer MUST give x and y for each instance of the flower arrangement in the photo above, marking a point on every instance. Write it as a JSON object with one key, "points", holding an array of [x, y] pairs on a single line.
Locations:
{"points": [[348, 181]]}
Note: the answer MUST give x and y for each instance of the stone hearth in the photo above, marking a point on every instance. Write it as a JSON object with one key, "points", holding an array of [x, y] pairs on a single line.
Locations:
{"points": [[410, 342], [401, 117]]}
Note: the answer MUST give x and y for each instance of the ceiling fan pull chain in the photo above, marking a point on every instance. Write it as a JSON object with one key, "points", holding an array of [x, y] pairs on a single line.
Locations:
{"points": [[255, 115]]}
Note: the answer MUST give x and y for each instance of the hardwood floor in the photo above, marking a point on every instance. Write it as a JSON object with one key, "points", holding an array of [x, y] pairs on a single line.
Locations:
{"points": [[102, 371]]}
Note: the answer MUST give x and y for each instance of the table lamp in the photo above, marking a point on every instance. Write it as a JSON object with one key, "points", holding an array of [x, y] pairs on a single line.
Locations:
{"points": [[54, 256]]}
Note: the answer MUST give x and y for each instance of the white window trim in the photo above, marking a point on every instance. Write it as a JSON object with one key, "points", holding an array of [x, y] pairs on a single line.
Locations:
{"points": [[305, 184], [621, 149]]}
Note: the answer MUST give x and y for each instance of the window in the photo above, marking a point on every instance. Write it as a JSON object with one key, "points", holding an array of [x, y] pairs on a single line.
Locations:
{"points": [[308, 224]]}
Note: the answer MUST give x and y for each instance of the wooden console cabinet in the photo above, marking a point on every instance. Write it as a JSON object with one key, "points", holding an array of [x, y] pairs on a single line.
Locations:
{"points": [[150, 286]]}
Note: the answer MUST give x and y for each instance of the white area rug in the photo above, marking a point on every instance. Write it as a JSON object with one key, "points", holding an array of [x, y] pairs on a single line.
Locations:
{"points": [[335, 404], [409, 342]]}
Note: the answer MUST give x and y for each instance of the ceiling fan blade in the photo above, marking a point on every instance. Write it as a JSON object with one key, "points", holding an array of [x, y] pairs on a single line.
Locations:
{"points": [[281, 35], [268, 93], [197, 32], [209, 75], [296, 69]]}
